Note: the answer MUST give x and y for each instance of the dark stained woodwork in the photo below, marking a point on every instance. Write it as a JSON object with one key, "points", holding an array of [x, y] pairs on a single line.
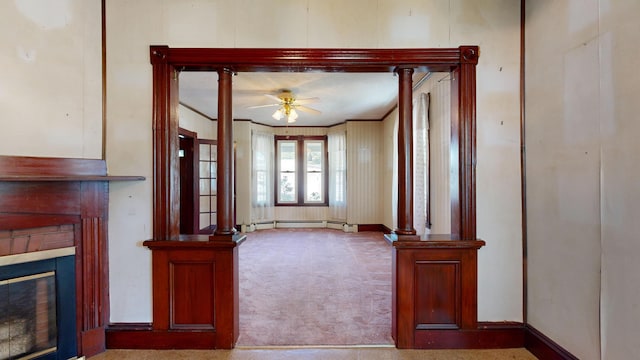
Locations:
{"points": [[225, 223], [437, 289], [374, 227], [486, 336], [460, 62], [543, 347], [466, 80], [69, 194], [189, 182], [192, 306], [27, 166], [161, 340], [166, 167], [523, 166], [301, 60], [493, 335], [195, 292], [405, 152], [450, 303], [454, 155]]}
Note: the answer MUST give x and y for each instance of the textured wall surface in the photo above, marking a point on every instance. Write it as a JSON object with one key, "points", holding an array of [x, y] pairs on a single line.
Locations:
{"points": [[581, 120]]}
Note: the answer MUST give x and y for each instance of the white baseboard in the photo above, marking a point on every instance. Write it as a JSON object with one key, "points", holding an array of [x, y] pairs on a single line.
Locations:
{"points": [[301, 224], [295, 224]]}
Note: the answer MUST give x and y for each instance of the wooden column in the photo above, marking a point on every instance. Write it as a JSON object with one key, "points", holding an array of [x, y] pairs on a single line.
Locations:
{"points": [[405, 153], [166, 168], [225, 211], [466, 80]]}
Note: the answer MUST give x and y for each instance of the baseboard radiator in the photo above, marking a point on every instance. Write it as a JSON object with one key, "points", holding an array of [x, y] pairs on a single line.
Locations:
{"points": [[299, 224]]}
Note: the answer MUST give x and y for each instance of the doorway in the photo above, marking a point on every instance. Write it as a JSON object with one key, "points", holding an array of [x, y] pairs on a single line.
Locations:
{"points": [[166, 62]]}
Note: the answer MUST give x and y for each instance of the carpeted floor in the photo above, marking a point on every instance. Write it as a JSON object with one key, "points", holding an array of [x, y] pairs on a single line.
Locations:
{"points": [[315, 287]]}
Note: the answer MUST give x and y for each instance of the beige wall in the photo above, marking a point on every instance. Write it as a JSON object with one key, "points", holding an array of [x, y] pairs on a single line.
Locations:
{"points": [[134, 25], [192, 121], [364, 169], [51, 88], [583, 201]]}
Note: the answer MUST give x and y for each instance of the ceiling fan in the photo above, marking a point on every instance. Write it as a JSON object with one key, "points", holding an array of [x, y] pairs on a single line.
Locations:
{"points": [[287, 105]]}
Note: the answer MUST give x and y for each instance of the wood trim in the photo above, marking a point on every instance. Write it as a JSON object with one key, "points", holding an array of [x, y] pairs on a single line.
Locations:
{"points": [[543, 347], [143, 338], [28, 221], [486, 336], [523, 164], [454, 154], [27, 166], [165, 60], [467, 153], [189, 185], [374, 227], [166, 200], [103, 60], [302, 60], [405, 152]]}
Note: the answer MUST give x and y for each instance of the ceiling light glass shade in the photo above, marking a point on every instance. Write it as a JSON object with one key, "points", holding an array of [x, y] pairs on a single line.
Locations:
{"points": [[278, 114], [293, 115]]}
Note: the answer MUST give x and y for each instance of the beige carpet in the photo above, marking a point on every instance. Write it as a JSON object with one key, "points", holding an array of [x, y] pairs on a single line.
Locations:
{"points": [[315, 287]]}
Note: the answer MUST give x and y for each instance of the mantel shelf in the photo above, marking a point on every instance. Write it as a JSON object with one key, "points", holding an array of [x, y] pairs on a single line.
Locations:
{"points": [[34, 178]]}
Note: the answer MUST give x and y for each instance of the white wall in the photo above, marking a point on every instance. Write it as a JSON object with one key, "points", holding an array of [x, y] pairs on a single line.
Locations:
{"points": [[582, 199], [492, 24], [51, 93]]}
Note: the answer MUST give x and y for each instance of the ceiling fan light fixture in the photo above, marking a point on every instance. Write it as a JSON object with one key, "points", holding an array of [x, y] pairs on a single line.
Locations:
{"points": [[293, 115], [278, 114]]}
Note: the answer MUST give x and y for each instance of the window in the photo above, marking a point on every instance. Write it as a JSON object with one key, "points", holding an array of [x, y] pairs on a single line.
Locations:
{"points": [[208, 185], [263, 175], [301, 176]]}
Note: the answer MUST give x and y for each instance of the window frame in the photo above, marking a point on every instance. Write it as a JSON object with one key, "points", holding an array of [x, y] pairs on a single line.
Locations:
{"points": [[301, 171]]}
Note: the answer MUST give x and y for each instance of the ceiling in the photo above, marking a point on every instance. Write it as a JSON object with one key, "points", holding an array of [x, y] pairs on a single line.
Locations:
{"points": [[341, 96]]}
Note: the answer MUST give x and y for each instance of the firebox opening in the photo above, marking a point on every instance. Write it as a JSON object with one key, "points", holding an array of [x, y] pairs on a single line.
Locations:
{"points": [[37, 310]]}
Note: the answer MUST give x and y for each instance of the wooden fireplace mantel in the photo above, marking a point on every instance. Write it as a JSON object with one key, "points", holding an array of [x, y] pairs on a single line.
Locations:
{"points": [[54, 203]]}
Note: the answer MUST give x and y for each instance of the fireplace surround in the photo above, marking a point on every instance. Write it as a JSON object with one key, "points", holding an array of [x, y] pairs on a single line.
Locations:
{"points": [[59, 206]]}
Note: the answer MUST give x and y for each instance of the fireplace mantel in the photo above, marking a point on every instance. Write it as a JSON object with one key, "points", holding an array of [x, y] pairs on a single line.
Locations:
{"points": [[53, 203]]}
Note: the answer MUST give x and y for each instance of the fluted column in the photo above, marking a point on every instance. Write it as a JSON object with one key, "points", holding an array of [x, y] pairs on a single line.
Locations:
{"points": [[405, 152]]}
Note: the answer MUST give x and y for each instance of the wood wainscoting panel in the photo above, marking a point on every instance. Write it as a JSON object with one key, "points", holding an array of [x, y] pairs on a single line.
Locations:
{"points": [[437, 294], [434, 299], [191, 294], [195, 295]]}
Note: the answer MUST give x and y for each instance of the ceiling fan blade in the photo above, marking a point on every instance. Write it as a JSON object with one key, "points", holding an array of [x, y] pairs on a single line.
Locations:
{"points": [[307, 109], [261, 106], [307, 100], [273, 97]]}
